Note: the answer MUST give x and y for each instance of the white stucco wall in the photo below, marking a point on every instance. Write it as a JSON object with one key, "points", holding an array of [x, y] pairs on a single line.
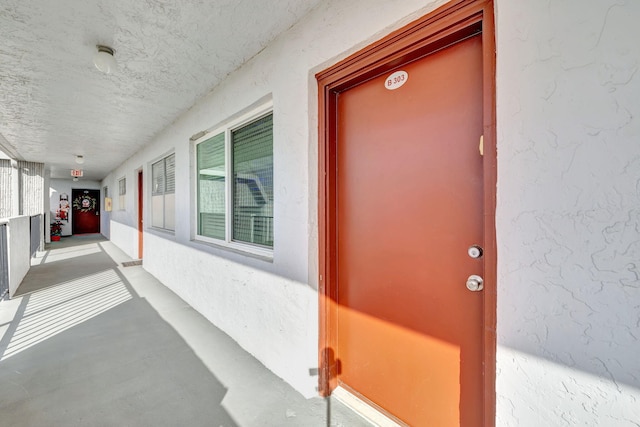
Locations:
{"points": [[123, 220], [121, 233], [568, 104], [64, 186], [568, 213]]}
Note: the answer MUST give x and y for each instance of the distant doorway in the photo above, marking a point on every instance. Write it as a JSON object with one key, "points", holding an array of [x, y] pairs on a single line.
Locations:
{"points": [[85, 211]]}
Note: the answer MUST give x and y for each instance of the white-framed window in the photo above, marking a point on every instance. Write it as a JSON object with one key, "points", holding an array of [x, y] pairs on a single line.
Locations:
{"points": [[234, 183], [163, 188], [122, 193]]}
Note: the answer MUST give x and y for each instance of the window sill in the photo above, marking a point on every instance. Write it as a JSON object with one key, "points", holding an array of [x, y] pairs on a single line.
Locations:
{"points": [[252, 251], [161, 231]]}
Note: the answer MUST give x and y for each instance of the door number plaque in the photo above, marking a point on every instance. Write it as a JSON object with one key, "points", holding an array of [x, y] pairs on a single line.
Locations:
{"points": [[395, 80]]}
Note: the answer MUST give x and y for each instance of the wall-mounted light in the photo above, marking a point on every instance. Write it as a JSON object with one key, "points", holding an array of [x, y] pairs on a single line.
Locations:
{"points": [[104, 60], [79, 159]]}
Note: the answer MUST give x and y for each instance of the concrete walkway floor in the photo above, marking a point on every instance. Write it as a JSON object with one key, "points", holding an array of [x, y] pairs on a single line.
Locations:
{"points": [[89, 342]]}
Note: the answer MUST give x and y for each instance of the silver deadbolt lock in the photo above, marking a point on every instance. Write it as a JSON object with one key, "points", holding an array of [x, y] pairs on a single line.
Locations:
{"points": [[475, 251], [475, 283]]}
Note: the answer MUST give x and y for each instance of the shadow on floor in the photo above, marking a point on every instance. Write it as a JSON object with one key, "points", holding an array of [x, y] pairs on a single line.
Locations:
{"points": [[88, 351], [91, 343], [66, 260]]}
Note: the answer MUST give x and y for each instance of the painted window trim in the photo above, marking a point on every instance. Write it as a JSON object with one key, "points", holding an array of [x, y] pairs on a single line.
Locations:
{"points": [[227, 128]]}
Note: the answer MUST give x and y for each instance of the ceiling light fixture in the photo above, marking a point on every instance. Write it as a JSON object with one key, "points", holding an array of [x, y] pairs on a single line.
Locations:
{"points": [[75, 179], [104, 60], [79, 159]]}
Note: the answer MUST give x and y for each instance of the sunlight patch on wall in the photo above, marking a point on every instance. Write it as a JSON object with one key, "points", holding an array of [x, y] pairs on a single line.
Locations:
{"points": [[59, 308]]}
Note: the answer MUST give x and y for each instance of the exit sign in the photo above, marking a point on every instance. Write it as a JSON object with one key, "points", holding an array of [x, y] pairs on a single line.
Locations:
{"points": [[76, 172]]}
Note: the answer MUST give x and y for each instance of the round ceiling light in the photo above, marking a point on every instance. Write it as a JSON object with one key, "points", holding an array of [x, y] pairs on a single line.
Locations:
{"points": [[79, 159], [104, 60]]}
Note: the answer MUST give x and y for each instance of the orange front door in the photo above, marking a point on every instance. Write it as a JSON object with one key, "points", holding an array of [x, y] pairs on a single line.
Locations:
{"points": [[409, 204]]}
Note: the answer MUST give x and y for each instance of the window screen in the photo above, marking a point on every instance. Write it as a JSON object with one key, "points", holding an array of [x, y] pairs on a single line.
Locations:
{"points": [[252, 154]]}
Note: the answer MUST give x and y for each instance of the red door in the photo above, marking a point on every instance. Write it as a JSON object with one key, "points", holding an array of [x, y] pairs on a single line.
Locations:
{"points": [[409, 205], [85, 211]]}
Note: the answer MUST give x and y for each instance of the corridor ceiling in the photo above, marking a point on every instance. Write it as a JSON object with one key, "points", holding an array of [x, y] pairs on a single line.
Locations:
{"points": [[55, 104]]}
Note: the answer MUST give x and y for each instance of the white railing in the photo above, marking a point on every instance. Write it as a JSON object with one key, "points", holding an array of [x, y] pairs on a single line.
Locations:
{"points": [[4, 261], [16, 254]]}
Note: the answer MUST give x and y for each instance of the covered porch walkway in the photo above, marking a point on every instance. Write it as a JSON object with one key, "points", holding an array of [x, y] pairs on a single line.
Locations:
{"points": [[88, 341]]}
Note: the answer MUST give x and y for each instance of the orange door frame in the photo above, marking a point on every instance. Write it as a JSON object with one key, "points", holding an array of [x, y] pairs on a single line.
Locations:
{"points": [[438, 29]]}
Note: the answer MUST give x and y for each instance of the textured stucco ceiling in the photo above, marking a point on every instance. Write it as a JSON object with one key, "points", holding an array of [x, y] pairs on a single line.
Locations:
{"points": [[55, 104]]}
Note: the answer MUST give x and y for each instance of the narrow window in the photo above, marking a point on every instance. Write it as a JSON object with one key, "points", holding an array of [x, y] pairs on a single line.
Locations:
{"points": [[122, 192], [211, 187], [163, 193]]}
